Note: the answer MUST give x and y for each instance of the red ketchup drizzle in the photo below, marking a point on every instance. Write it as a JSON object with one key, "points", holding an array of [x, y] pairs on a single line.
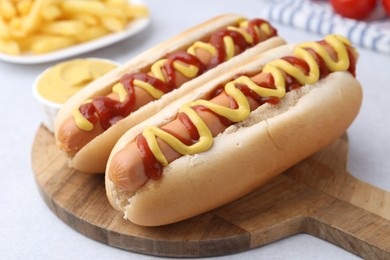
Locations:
{"points": [[256, 23], [192, 131], [128, 79], [324, 71], [352, 61], [190, 128], [185, 58], [88, 112], [216, 40], [109, 111], [153, 168]]}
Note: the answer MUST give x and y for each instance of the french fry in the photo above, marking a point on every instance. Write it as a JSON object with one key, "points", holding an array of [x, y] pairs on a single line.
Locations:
{"points": [[113, 24], [15, 24], [24, 6], [51, 43], [64, 28], [7, 9], [4, 32], [9, 47], [88, 19], [51, 13], [116, 2], [33, 19], [25, 43], [95, 8], [15, 28], [92, 33]]}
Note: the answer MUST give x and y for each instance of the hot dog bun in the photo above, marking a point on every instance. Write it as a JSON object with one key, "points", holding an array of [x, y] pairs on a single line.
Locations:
{"points": [[245, 155], [92, 157]]}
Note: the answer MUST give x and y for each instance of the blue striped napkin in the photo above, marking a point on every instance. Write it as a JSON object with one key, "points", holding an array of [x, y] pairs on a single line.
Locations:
{"points": [[318, 16]]}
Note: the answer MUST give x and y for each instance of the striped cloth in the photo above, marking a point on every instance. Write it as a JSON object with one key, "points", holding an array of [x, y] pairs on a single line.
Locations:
{"points": [[318, 16]]}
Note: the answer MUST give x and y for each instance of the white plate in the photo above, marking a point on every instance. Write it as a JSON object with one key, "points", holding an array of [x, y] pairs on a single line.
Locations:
{"points": [[131, 29]]}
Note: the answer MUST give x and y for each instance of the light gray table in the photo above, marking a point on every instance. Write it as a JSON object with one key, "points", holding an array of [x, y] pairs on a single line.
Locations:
{"points": [[29, 230]]}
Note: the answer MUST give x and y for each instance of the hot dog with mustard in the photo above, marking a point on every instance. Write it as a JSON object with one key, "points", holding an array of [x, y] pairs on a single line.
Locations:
{"points": [[235, 133], [96, 117]]}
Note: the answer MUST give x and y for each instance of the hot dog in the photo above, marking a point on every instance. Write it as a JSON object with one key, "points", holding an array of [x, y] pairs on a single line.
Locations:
{"points": [[235, 133], [90, 123]]}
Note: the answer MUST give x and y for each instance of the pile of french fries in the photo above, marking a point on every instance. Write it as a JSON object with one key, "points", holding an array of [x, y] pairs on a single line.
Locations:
{"points": [[42, 26]]}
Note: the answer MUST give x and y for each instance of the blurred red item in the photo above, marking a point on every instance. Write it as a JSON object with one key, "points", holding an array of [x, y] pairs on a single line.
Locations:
{"points": [[355, 9], [386, 6]]}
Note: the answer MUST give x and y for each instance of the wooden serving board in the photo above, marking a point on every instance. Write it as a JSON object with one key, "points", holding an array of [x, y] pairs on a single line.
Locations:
{"points": [[317, 196]]}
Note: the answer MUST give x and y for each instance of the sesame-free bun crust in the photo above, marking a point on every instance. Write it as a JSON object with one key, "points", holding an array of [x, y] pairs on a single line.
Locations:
{"points": [[93, 157], [247, 154]]}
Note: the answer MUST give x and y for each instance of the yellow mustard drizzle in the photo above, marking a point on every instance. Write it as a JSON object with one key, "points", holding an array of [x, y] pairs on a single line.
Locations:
{"points": [[81, 121], [265, 28], [276, 69], [154, 92], [156, 69], [228, 41], [248, 38], [202, 45], [188, 71], [120, 90]]}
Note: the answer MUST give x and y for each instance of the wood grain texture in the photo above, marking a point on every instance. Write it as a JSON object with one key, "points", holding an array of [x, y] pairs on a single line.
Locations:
{"points": [[316, 196]]}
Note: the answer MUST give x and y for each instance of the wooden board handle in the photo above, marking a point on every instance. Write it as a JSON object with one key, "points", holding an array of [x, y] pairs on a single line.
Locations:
{"points": [[358, 218], [354, 229]]}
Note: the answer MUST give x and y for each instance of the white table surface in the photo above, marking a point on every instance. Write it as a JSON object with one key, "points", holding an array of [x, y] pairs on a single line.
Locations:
{"points": [[29, 230]]}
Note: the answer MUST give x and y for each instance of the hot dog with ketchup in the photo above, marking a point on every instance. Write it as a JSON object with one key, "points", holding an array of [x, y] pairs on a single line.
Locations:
{"points": [[91, 122], [235, 133]]}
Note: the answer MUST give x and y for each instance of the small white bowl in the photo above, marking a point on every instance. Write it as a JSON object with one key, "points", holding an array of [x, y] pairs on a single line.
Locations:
{"points": [[48, 108]]}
